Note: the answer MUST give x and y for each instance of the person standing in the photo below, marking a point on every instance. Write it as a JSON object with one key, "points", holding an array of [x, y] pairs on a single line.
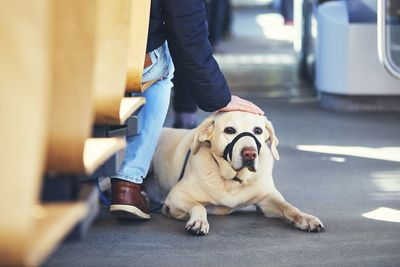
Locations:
{"points": [[177, 39]]}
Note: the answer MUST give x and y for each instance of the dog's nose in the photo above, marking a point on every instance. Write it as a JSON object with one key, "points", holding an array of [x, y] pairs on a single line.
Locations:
{"points": [[249, 153]]}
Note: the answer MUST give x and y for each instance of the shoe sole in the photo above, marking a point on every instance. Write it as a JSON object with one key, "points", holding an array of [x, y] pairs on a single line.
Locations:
{"points": [[128, 212]]}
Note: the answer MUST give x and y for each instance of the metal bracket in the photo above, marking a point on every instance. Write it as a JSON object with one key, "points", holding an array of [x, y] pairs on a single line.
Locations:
{"points": [[130, 128]]}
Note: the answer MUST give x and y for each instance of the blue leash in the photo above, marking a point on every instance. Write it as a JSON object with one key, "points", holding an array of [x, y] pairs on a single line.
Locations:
{"points": [[103, 198]]}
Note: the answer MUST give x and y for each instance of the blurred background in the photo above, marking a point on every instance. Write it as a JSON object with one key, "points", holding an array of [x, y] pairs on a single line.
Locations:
{"points": [[326, 73], [308, 50]]}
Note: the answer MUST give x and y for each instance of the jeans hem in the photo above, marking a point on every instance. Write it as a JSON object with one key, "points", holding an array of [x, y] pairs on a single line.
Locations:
{"points": [[128, 178]]}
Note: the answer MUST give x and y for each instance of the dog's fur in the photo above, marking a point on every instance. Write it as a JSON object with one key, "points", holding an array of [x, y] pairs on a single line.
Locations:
{"points": [[209, 184]]}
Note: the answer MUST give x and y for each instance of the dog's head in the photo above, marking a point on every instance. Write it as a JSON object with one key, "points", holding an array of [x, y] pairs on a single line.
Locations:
{"points": [[236, 136]]}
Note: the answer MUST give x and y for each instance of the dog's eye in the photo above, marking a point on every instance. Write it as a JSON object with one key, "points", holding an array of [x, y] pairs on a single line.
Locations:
{"points": [[257, 130], [229, 130]]}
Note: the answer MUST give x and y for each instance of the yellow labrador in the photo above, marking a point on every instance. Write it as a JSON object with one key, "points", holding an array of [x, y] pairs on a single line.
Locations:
{"points": [[229, 167]]}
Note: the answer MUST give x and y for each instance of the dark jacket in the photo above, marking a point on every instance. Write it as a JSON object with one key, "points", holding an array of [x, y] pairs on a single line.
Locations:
{"points": [[183, 24]]}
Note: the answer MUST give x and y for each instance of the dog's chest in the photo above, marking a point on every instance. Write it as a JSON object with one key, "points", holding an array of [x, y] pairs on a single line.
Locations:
{"points": [[237, 196]]}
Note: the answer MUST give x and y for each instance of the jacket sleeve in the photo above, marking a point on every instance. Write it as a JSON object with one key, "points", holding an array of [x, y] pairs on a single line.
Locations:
{"points": [[187, 36]]}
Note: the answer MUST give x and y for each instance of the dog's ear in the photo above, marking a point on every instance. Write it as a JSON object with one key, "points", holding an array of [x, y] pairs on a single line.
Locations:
{"points": [[203, 133], [271, 138]]}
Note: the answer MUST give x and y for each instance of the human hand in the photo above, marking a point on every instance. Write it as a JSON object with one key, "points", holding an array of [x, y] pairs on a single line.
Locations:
{"points": [[240, 104]]}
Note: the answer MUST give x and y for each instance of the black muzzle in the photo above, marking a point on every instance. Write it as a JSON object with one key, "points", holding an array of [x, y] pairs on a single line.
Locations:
{"points": [[229, 147]]}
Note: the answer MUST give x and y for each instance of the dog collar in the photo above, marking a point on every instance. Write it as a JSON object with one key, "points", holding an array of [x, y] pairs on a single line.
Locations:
{"points": [[229, 147]]}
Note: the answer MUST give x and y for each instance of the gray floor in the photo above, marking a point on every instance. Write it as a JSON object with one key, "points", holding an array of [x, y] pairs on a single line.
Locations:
{"points": [[337, 188]]}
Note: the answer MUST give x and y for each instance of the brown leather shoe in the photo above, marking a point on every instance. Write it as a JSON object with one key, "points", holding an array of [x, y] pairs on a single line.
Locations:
{"points": [[127, 201]]}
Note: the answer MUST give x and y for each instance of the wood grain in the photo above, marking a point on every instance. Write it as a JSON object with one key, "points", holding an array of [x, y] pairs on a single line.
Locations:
{"points": [[72, 63], [75, 53], [24, 76], [51, 223], [128, 106], [111, 61], [99, 150], [47, 53], [140, 14]]}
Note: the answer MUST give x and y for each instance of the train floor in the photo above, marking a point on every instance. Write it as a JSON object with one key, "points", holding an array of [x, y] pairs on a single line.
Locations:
{"points": [[342, 167]]}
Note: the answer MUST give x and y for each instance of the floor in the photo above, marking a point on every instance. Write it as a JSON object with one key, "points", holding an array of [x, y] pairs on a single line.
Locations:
{"points": [[337, 166]]}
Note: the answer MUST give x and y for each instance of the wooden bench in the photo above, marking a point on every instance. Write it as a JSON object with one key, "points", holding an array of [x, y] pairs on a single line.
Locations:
{"points": [[47, 109], [70, 148], [112, 52], [28, 229], [121, 39], [137, 46], [65, 65], [120, 46]]}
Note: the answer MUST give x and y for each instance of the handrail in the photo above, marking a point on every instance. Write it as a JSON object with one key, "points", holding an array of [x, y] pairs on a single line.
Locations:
{"points": [[383, 45]]}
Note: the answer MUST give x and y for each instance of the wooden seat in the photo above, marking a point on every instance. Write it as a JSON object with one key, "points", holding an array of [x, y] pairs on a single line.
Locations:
{"points": [[111, 62], [70, 148], [52, 222], [140, 15], [117, 116], [129, 105], [98, 150], [28, 230], [46, 102]]}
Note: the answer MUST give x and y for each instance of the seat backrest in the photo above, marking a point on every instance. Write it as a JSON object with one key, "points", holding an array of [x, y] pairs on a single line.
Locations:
{"points": [[111, 60], [72, 63], [140, 16], [24, 87], [47, 52]]}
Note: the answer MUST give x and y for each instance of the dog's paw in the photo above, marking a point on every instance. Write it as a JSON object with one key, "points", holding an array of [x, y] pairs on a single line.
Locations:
{"points": [[197, 227], [308, 223]]}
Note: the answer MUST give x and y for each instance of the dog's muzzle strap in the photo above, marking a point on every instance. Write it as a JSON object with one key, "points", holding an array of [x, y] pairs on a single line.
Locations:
{"points": [[229, 147]]}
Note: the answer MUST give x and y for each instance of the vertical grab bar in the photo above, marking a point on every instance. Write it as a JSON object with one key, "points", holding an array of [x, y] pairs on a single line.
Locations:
{"points": [[383, 45]]}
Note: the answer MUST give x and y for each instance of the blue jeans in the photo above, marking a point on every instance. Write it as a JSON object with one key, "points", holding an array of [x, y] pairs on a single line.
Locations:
{"points": [[141, 147]]}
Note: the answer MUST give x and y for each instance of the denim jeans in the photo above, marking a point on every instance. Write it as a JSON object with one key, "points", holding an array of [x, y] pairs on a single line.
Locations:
{"points": [[141, 147]]}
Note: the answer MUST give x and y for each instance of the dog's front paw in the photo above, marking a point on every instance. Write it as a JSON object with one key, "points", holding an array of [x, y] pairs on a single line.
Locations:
{"points": [[197, 227], [307, 222]]}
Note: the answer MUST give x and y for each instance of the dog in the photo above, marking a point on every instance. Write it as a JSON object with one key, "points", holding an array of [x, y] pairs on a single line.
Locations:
{"points": [[229, 166]]}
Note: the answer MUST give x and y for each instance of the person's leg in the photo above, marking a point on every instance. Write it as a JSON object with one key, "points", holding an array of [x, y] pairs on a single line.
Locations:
{"points": [[141, 147], [287, 11], [227, 25], [218, 17], [127, 201], [184, 105]]}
